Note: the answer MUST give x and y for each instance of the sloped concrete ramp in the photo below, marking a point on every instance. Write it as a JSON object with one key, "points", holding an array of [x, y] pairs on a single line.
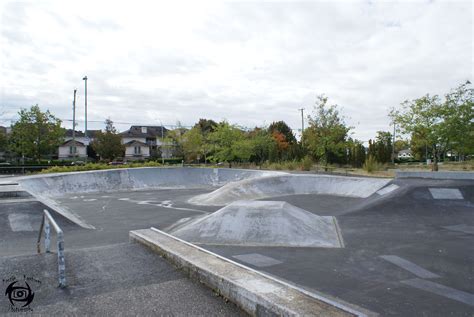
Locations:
{"points": [[268, 186], [263, 223]]}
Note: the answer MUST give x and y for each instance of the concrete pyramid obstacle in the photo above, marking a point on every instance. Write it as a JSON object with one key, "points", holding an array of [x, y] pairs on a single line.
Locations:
{"points": [[263, 223]]}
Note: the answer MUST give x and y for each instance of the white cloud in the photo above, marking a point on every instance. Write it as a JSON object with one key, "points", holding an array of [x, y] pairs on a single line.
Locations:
{"points": [[249, 62]]}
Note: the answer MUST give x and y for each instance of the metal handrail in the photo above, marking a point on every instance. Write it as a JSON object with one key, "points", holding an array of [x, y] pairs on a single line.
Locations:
{"points": [[46, 223]]}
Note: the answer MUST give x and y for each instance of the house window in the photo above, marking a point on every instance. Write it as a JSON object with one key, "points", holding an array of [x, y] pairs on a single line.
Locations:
{"points": [[144, 129], [138, 150], [72, 150]]}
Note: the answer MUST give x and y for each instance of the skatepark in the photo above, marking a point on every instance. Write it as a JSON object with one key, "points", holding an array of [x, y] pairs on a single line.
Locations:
{"points": [[305, 243]]}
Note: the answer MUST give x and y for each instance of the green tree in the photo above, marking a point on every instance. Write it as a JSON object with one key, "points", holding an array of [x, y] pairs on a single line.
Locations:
{"points": [[401, 145], [458, 117], [356, 153], [381, 149], [3, 141], [193, 144], [326, 136], [206, 126], [242, 150], [442, 124], [223, 139], [263, 145], [36, 133], [108, 144]]}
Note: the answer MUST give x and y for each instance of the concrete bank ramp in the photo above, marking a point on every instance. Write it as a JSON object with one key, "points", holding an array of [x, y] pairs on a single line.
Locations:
{"points": [[290, 184], [263, 223]]}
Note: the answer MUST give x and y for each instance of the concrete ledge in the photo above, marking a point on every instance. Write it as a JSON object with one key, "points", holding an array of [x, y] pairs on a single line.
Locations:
{"points": [[255, 292], [435, 175]]}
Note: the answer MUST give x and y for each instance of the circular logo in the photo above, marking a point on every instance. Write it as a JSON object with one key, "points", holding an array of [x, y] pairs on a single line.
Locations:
{"points": [[19, 296]]}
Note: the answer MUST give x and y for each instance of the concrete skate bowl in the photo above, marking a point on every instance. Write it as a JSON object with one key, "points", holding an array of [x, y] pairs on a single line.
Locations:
{"points": [[268, 186], [246, 223], [48, 187], [263, 223]]}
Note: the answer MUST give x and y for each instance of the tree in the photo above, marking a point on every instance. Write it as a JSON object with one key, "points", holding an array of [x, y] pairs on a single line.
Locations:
{"points": [[36, 133], [442, 124], [263, 145], [287, 146], [401, 145], [3, 141], [422, 114], [458, 115], [206, 126], [108, 144], [282, 128], [223, 138], [193, 144], [381, 150], [356, 153], [326, 136]]}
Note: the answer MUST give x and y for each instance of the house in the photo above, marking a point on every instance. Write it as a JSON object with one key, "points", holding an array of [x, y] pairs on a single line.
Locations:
{"points": [[79, 136], [68, 150], [72, 150], [142, 142], [404, 154]]}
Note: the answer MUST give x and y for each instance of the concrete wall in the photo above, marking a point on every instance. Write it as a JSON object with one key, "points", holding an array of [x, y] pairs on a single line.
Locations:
{"points": [[435, 175], [135, 178]]}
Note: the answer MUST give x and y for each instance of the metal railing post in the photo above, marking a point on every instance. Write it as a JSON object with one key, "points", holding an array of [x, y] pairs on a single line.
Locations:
{"points": [[61, 261], [49, 222], [47, 235]]}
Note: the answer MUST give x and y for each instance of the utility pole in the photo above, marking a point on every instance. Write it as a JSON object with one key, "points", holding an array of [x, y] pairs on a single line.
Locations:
{"points": [[162, 143], [74, 125], [302, 124], [85, 118], [85, 106], [393, 145]]}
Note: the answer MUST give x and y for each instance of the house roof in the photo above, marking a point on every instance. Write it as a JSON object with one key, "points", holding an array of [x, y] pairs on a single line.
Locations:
{"points": [[90, 133], [135, 142], [407, 151], [71, 142], [136, 131]]}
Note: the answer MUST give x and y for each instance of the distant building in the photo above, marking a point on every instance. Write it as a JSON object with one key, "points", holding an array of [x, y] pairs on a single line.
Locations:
{"points": [[142, 142], [404, 154], [72, 150], [79, 136], [68, 150]]}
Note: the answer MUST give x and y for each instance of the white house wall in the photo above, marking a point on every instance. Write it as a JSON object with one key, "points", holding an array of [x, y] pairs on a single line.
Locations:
{"points": [[130, 152], [64, 152]]}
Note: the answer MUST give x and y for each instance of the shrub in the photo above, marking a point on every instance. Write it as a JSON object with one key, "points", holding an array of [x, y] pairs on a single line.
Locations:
{"points": [[291, 165], [306, 163], [371, 165], [95, 166]]}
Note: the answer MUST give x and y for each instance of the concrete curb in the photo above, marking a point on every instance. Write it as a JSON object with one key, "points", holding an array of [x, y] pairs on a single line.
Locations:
{"points": [[256, 293], [435, 175]]}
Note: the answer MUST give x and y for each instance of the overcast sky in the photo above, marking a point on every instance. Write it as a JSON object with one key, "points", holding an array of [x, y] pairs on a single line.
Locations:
{"points": [[248, 62]]}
